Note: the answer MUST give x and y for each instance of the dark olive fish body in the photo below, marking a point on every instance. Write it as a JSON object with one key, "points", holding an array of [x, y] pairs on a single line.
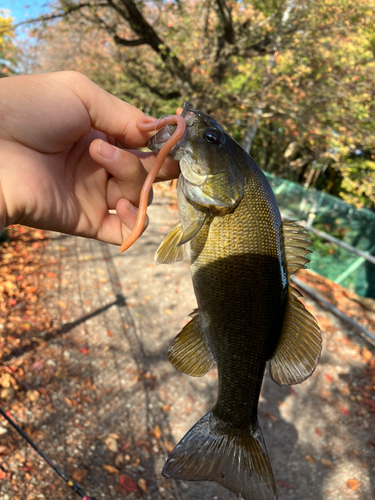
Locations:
{"points": [[241, 255], [239, 277]]}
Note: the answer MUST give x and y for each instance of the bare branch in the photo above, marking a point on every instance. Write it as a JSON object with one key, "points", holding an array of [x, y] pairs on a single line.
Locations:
{"points": [[226, 18], [61, 14], [128, 43], [265, 46], [129, 12], [154, 90]]}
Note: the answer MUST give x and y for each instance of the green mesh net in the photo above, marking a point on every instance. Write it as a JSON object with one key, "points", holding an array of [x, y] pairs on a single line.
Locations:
{"points": [[325, 212]]}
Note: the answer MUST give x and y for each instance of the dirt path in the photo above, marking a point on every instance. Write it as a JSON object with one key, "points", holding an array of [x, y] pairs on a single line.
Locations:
{"points": [[107, 396]]}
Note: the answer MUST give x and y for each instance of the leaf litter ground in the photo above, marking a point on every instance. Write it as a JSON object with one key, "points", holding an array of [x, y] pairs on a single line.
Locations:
{"points": [[84, 332]]}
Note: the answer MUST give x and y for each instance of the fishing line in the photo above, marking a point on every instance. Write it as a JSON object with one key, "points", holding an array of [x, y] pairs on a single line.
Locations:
{"points": [[74, 486]]}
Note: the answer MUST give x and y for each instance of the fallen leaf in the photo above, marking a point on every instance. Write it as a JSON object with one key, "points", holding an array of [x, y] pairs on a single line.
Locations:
{"points": [[283, 484], [166, 407], [366, 354], [111, 444], [310, 459], [169, 446], [344, 410], [61, 304], [109, 333], [61, 373], [318, 432], [8, 393], [142, 485], [111, 469], [51, 275], [2, 474], [32, 395], [327, 463], [79, 474], [352, 484], [157, 432], [272, 417], [128, 483]]}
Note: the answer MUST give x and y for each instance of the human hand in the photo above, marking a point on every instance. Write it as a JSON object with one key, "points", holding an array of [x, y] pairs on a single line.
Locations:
{"points": [[59, 169]]}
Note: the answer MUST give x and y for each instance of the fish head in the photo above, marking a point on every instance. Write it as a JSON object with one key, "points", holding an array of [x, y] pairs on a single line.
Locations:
{"points": [[209, 172]]}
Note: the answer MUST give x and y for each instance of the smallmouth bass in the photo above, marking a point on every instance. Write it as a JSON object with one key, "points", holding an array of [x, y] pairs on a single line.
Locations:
{"points": [[241, 257]]}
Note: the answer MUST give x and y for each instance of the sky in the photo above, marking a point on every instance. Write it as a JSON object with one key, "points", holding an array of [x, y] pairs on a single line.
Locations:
{"points": [[21, 10]]}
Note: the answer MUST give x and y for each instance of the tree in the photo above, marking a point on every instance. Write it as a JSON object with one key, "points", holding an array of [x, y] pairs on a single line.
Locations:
{"points": [[8, 51], [293, 80]]}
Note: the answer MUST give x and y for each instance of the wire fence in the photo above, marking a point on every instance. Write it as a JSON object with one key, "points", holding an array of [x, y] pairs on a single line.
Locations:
{"points": [[325, 215]]}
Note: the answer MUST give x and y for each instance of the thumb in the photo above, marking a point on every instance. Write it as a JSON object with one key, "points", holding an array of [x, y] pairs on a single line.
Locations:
{"points": [[108, 114]]}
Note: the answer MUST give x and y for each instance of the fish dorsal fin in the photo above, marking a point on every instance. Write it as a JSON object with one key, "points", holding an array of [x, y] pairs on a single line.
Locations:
{"points": [[168, 251], [189, 352], [300, 344], [192, 230], [295, 244]]}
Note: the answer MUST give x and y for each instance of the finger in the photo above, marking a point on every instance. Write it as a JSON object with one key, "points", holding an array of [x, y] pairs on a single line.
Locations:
{"points": [[107, 113], [127, 170], [115, 228], [170, 169]]}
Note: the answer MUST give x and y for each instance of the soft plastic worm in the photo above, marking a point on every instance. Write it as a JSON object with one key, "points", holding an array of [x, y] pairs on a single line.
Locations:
{"points": [[149, 124]]}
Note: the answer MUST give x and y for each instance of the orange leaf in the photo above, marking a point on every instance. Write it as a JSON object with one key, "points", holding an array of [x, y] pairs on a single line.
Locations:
{"points": [[352, 484], [157, 432], [111, 469]]}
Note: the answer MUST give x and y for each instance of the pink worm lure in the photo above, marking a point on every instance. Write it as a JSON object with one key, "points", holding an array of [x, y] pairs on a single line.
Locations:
{"points": [[149, 124]]}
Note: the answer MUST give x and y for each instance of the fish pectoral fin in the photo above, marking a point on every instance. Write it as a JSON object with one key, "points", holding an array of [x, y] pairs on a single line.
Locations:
{"points": [[296, 243], [192, 230], [300, 344], [215, 451], [189, 352], [168, 251]]}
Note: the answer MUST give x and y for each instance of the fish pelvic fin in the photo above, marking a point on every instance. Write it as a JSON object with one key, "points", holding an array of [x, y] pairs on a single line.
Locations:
{"points": [[300, 345], [235, 458], [189, 352], [168, 251], [193, 230]]}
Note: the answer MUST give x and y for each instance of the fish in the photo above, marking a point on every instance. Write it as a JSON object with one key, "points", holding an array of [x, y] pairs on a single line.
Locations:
{"points": [[241, 256]]}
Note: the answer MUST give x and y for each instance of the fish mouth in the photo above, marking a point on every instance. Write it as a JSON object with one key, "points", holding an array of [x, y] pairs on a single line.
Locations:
{"points": [[158, 140]]}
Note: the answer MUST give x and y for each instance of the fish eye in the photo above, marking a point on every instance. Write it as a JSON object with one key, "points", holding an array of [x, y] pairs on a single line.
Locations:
{"points": [[213, 136]]}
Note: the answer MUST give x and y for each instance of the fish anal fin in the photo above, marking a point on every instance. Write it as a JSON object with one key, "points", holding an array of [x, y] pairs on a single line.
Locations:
{"points": [[235, 458], [298, 351], [168, 251], [189, 352]]}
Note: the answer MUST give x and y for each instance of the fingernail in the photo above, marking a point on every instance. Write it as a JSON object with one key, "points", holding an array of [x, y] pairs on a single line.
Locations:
{"points": [[132, 208], [107, 151]]}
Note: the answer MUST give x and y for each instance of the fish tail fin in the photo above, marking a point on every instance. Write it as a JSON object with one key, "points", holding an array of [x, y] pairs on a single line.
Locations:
{"points": [[214, 451]]}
